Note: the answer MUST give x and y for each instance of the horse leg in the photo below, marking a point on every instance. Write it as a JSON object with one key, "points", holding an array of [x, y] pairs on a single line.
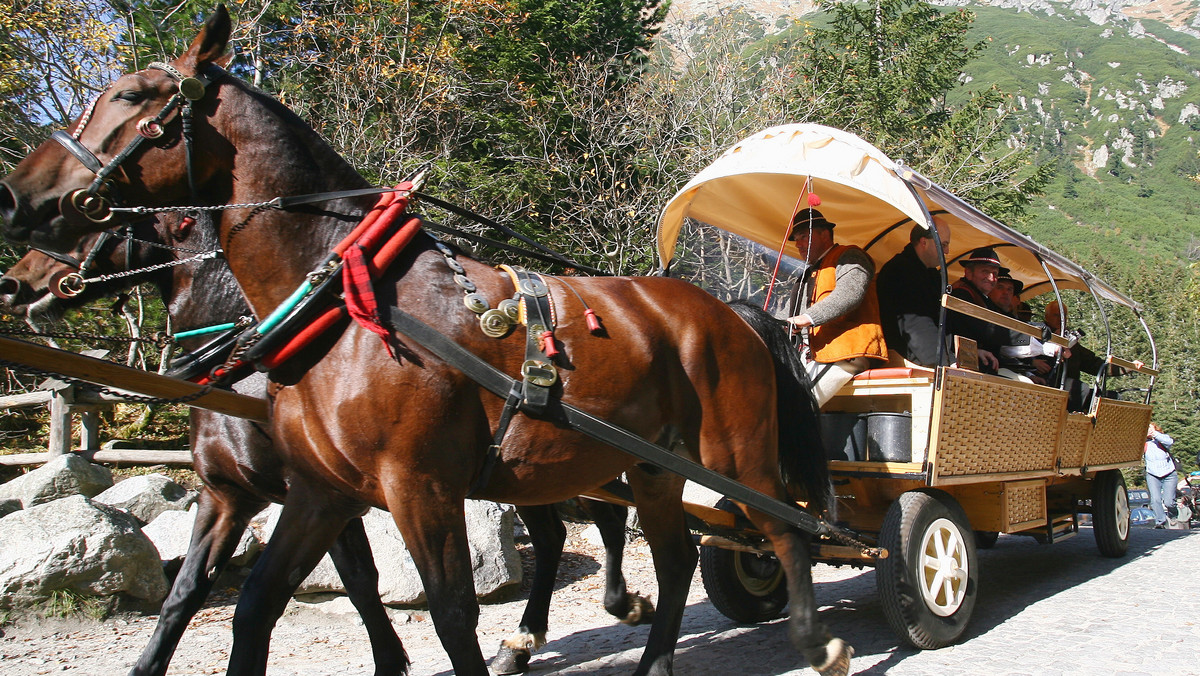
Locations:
{"points": [[308, 525], [631, 609], [433, 525], [221, 519], [659, 496], [547, 535], [351, 554], [827, 655]]}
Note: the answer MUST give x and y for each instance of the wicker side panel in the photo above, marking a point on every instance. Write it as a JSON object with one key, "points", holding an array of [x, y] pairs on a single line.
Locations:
{"points": [[1120, 432], [990, 425], [1076, 432], [1025, 501]]}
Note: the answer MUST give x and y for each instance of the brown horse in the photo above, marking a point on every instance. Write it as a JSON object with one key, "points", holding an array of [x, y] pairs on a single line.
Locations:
{"points": [[235, 458], [356, 427]]}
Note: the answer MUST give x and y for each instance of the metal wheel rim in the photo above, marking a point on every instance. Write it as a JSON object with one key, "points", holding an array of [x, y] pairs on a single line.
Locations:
{"points": [[942, 568], [1121, 506], [755, 583]]}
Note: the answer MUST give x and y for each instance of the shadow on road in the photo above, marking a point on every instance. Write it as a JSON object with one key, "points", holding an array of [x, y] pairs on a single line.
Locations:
{"points": [[1017, 573]]}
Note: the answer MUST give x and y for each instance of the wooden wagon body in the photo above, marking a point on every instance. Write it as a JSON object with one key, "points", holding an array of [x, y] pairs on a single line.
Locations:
{"points": [[928, 463]]}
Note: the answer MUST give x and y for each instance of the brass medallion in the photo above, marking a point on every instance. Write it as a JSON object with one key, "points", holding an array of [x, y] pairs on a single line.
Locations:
{"points": [[494, 324]]}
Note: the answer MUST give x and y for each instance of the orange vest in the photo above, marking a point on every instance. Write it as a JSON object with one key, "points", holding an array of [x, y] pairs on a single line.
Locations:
{"points": [[857, 333]]}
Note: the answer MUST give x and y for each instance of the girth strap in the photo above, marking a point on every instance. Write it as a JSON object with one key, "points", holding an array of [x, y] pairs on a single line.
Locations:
{"points": [[511, 404], [496, 382]]}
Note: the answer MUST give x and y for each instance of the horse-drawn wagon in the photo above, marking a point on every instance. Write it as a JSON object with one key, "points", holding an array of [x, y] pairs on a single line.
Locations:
{"points": [[926, 460], [392, 412]]}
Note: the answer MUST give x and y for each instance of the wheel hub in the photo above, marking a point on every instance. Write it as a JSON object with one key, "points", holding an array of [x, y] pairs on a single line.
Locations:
{"points": [[943, 568]]}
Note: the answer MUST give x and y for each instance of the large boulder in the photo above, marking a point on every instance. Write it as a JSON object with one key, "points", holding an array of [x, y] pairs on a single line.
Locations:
{"points": [[79, 546], [171, 532], [147, 496], [494, 557], [65, 475]]}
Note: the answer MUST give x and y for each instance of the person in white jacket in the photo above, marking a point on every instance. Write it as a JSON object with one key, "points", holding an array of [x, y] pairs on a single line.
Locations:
{"points": [[1161, 476]]}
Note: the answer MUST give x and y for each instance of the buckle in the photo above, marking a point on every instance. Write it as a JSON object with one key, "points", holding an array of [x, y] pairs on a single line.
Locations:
{"points": [[540, 373]]}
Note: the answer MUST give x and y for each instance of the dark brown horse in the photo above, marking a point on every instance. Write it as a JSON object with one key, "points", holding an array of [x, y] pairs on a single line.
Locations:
{"points": [[356, 427], [235, 458]]}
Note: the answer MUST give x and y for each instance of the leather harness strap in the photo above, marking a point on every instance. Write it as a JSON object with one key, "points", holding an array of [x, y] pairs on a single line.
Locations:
{"points": [[500, 384]]}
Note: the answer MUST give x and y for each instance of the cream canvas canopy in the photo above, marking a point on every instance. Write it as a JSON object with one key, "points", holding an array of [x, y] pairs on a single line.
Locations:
{"points": [[753, 189]]}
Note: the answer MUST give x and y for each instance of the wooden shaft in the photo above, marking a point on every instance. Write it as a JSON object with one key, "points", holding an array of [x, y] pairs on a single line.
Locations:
{"points": [[141, 382]]}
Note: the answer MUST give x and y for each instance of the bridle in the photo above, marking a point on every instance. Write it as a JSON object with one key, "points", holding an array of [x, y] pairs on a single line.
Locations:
{"points": [[71, 284], [96, 202]]}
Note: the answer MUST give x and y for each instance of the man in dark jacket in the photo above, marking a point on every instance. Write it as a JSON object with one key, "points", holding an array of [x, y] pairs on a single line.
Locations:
{"points": [[909, 287], [981, 270]]}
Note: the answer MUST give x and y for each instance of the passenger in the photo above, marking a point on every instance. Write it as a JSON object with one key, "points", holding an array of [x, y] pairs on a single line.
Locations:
{"points": [[1006, 292], [980, 272], [910, 295], [834, 303], [1077, 358], [1018, 353]]}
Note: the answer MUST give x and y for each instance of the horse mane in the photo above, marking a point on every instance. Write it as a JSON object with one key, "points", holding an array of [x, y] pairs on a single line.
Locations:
{"points": [[801, 451]]}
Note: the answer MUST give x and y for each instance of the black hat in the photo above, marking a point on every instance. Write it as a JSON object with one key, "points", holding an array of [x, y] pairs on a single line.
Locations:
{"points": [[806, 218], [1006, 276], [984, 255]]}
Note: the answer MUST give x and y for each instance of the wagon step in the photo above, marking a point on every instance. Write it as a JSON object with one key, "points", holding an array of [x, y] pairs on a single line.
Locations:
{"points": [[1058, 527]]}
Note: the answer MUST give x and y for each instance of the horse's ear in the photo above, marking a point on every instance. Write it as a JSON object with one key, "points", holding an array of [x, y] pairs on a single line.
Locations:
{"points": [[209, 45]]}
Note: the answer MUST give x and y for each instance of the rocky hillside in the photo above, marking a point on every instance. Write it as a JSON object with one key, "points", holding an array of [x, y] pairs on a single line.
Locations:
{"points": [[1110, 94], [1176, 16]]}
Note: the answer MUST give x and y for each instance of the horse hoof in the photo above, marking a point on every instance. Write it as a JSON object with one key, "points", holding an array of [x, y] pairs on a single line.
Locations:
{"points": [[510, 661], [837, 659], [641, 611]]}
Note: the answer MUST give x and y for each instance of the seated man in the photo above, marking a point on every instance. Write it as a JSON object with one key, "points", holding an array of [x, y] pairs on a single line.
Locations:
{"points": [[1018, 353], [910, 295], [834, 303], [1006, 292], [980, 272]]}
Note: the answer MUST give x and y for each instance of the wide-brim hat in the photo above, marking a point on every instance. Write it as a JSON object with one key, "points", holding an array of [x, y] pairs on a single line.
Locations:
{"points": [[983, 256], [809, 218]]}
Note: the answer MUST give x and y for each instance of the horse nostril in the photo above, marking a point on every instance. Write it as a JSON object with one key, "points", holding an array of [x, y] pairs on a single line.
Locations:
{"points": [[8, 288]]}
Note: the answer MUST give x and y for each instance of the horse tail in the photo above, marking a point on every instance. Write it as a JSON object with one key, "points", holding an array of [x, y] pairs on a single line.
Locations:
{"points": [[801, 451]]}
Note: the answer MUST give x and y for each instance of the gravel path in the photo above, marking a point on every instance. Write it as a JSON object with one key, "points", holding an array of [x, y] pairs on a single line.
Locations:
{"points": [[1059, 609]]}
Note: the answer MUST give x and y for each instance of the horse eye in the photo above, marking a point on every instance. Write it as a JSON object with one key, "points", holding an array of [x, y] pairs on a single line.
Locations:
{"points": [[130, 96]]}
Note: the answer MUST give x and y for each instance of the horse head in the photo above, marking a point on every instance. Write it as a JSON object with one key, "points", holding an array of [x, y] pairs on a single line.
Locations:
{"points": [[130, 147], [44, 284]]}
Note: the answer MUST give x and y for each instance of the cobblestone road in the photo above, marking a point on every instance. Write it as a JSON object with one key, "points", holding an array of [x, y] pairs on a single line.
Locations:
{"points": [[1044, 610]]}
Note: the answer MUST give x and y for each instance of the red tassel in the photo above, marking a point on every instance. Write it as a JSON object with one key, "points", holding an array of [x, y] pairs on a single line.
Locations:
{"points": [[813, 200], [593, 322], [548, 345]]}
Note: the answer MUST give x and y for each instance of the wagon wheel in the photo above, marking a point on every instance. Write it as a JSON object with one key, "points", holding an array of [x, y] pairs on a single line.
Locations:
{"points": [[1110, 513], [744, 586], [929, 582]]}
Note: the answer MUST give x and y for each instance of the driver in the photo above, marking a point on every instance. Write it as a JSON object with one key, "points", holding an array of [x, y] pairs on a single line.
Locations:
{"points": [[834, 303]]}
